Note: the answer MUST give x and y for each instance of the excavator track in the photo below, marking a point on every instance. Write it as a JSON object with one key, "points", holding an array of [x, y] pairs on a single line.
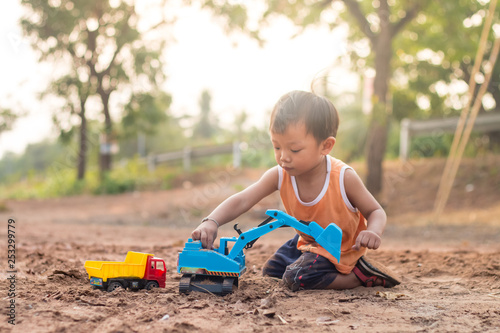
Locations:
{"points": [[185, 284], [217, 285], [228, 286]]}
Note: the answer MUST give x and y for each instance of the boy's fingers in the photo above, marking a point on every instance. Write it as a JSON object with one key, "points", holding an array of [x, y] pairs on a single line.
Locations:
{"points": [[363, 240], [210, 243], [371, 243], [195, 235], [376, 240], [203, 238], [207, 240], [357, 245]]}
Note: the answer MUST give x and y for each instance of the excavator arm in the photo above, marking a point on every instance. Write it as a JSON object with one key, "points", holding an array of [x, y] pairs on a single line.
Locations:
{"points": [[330, 238]]}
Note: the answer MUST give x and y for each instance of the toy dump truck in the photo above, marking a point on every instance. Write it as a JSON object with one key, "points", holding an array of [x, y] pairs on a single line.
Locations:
{"points": [[217, 271], [138, 271]]}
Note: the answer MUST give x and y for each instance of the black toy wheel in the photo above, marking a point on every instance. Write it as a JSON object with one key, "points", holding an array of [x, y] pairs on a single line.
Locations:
{"points": [[152, 284], [228, 286], [185, 284], [114, 285]]}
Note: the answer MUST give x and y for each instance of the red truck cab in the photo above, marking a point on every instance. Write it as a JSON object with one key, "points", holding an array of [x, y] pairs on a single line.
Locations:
{"points": [[156, 271]]}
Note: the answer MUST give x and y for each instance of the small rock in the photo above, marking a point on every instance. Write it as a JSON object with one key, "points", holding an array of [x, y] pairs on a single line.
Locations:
{"points": [[266, 303], [323, 319], [269, 313], [326, 321]]}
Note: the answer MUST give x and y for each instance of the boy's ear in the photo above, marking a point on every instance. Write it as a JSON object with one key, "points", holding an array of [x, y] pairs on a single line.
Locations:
{"points": [[327, 145]]}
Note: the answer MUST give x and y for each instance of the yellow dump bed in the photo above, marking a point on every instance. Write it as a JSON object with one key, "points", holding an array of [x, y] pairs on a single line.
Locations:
{"points": [[134, 266]]}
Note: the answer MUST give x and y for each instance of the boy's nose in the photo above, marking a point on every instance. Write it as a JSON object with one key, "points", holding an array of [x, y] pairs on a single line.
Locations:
{"points": [[285, 157]]}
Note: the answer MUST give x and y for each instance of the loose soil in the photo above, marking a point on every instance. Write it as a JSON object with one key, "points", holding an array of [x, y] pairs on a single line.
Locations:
{"points": [[450, 267]]}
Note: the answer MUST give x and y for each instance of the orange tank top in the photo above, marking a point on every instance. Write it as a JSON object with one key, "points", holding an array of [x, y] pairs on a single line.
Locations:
{"points": [[331, 205]]}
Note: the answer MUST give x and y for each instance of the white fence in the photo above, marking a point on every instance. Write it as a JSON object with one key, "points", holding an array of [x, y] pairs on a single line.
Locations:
{"points": [[411, 128], [188, 154]]}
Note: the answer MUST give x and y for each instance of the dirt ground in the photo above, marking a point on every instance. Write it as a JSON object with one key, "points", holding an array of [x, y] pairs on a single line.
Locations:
{"points": [[450, 268]]}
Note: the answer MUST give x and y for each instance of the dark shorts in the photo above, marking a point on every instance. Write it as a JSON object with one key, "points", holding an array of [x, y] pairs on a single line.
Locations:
{"points": [[300, 270]]}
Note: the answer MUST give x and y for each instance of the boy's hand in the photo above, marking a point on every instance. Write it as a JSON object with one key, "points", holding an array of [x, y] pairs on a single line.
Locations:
{"points": [[207, 233], [368, 239]]}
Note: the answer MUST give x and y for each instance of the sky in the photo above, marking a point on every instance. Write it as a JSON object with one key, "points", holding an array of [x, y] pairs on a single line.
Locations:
{"points": [[240, 75]]}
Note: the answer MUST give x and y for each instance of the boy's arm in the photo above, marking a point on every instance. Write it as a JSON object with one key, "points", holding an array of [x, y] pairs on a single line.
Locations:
{"points": [[364, 201], [234, 206]]}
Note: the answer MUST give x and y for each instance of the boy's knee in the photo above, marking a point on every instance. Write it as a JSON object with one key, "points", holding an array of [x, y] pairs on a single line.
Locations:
{"points": [[309, 272], [292, 278]]}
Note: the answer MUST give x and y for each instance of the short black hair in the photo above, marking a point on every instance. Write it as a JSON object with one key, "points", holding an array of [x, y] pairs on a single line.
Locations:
{"points": [[318, 113]]}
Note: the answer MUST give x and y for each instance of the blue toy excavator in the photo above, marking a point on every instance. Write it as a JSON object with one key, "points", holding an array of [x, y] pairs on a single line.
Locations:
{"points": [[217, 271]]}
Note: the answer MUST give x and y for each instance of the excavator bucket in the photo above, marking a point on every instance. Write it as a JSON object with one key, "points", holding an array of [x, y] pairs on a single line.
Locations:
{"points": [[331, 239]]}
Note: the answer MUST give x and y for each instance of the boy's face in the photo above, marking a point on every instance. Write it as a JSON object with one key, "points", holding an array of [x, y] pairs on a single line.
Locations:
{"points": [[297, 151]]}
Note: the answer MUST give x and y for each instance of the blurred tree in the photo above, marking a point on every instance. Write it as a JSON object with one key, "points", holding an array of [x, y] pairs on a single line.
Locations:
{"points": [[7, 118], [37, 156], [143, 115], [207, 125], [239, 122], [435, 62], [74, 94], [103, 48], [144, 112]]}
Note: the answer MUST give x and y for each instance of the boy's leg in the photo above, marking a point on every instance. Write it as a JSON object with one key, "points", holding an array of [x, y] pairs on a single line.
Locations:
{"points": [[286, 255], [310, 271]]}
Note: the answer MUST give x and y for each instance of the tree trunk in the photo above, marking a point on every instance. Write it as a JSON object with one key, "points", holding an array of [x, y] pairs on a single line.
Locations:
{"points": [[376, 147], [82, 155], [377, 133], [105, 150]]}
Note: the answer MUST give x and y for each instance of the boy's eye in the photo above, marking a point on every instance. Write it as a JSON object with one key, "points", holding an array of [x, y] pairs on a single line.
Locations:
{"points": [[276, 148], [295, 151]]}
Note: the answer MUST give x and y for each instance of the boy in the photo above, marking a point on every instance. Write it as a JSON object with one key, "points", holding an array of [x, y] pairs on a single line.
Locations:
{"points": [[313, 187]]}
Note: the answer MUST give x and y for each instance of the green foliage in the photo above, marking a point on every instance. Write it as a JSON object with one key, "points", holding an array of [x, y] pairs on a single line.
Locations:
{"points": [[57, 181], [438, 50], [37, 157], [257, 149], [258, 157], [167, 136], [7, 118], [44, 185], [114, 185], [431, 146], [235, 11], [145, 112]]}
